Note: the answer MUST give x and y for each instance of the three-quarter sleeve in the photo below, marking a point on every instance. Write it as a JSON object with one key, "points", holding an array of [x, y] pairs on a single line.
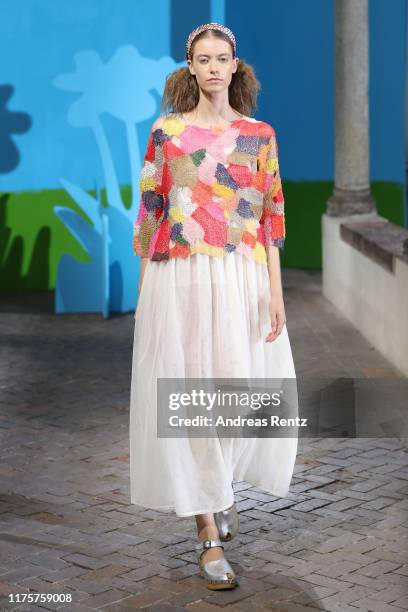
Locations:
{"points": [[151, 196], [273, 213]]}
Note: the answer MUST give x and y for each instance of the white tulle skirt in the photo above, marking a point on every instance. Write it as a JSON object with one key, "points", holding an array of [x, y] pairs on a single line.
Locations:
{"points": [[203, 317]]}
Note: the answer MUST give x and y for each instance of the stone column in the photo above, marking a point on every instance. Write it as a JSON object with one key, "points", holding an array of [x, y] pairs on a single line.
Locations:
{"points": [[351, 193]]}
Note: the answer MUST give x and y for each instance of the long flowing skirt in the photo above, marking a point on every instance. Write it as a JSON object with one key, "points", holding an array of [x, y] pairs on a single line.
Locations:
{"points": [[203, 317]]}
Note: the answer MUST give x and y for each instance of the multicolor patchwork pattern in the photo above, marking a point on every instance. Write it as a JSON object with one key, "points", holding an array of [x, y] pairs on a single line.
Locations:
{"points": [[213, 191]]}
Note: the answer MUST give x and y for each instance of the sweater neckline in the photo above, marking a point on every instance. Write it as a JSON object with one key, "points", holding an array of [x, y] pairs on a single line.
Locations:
{"points": [[211, 129]]}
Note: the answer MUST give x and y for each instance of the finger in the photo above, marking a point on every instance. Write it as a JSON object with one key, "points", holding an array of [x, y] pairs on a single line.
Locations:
{"points": [[281, 325], [280, 321], [274, 322], [271, 336], [274, 333]]}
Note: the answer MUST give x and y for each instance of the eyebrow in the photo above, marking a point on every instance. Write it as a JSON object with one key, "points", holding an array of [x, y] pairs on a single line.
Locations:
{"points": [[206, 55]]}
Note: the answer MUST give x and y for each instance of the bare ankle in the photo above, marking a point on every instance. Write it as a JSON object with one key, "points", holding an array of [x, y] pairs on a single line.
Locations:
{"points": [[208, 532], [206, 527]]}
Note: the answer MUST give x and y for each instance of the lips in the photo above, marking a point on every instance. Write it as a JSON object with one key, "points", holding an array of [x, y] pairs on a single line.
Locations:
{"points": [[214, 80]]}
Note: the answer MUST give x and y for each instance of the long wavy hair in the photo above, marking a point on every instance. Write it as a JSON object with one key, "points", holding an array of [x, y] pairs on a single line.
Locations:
{"points": [[182, 93]]}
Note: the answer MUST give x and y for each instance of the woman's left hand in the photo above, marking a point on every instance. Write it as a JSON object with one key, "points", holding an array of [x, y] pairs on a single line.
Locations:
{"points": [[277, 315]]}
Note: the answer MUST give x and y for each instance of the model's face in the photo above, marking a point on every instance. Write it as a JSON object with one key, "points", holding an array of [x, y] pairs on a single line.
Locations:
{"points": [[213, 64]]}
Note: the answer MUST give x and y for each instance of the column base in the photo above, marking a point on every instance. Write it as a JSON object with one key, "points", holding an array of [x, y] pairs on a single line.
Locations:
{"points": [[346, 202]]}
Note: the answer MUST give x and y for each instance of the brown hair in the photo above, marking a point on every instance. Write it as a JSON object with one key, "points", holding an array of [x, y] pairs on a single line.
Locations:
{"points": [[181, 92]]}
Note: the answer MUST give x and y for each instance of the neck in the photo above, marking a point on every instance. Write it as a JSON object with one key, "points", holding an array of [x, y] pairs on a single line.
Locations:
{"points": [[214, 112]]}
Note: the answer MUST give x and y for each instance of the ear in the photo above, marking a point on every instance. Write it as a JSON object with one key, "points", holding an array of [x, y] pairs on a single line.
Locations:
{"points": [[190, 67]]}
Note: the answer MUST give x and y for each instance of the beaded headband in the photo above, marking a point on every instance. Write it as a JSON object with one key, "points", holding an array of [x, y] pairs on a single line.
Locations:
{"points": [[210, 26]]}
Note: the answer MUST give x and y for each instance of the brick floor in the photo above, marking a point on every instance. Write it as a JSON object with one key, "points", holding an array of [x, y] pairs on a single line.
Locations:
{"points": [[337, 542]]}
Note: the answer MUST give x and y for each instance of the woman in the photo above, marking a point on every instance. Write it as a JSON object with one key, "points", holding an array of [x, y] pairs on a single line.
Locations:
{"points": [[209, 230]]}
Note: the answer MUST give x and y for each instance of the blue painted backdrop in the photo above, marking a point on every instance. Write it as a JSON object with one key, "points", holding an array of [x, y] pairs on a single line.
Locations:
{"points": [[81, 84], [290, 43]]}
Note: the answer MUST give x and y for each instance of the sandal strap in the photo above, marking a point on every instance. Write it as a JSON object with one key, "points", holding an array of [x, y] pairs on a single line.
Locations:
{"points": [[206, 544]]}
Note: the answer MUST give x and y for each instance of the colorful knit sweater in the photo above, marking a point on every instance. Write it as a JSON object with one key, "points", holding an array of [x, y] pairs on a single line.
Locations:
{"points": [[213, 191]]}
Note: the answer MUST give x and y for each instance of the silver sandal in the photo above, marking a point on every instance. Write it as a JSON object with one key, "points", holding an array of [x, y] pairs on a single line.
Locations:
{"points": [[218, 572], [227, 522]]}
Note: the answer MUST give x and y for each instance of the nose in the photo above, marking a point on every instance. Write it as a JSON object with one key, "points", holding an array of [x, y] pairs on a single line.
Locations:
{"points": [[213, 67]]}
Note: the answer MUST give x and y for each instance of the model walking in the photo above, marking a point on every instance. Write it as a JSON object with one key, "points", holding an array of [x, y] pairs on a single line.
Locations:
{"points": [[210, 225]]}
